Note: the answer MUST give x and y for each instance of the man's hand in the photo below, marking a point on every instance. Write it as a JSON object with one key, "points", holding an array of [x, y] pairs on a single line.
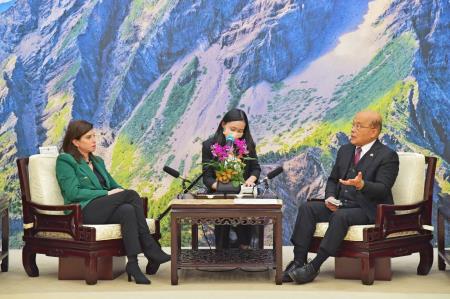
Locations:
{"points": [[114, 191], [332, 203], [358, 181], [331, 206]]}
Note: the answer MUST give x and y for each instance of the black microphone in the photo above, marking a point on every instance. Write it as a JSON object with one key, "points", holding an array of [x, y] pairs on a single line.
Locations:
{"points": [[171, 171], [176, 174], [275, 172], [271, 175]]}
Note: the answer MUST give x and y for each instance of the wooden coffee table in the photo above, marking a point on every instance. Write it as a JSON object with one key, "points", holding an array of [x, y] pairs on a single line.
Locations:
{"points": [[224, 212]]}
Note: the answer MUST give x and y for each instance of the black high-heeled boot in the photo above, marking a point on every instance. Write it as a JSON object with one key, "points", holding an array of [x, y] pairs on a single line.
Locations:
{"points": [[134, 271], [153, 252], [152, 267]]}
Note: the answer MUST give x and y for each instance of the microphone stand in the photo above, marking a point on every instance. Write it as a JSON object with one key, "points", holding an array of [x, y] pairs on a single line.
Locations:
{"points": [[183, 186], [266, 189], [192, 184]]}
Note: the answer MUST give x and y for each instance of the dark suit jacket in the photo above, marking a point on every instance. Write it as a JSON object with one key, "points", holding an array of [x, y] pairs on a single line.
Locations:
{"points": [[379, 167], [251, 166], [78, 182]]}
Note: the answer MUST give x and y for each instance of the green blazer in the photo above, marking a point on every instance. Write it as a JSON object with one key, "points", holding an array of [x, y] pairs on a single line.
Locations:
{"points": [[78, 182]]}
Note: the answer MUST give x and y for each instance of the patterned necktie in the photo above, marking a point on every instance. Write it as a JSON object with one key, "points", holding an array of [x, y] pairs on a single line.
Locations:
{"points": [[357, 155]]}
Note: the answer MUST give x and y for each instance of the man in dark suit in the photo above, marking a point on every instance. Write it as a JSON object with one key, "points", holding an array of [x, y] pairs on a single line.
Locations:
{"points": [[362, 177]]}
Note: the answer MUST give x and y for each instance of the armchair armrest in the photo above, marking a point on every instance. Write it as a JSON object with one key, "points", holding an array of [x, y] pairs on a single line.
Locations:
{"points": [[69, 223], [389, 221], [158, 223]]}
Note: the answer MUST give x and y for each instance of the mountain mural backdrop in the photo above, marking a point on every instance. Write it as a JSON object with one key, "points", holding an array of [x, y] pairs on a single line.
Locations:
{"points": [[155, 77]]}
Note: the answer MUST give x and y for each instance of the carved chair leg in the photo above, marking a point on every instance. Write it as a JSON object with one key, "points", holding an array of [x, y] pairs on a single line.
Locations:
{"points": [[29, 262], [426, 260], [367, 270], [90, 265]]}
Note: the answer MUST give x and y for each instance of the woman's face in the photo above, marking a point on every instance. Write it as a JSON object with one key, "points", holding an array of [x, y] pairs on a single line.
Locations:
{"points": [[235, 128], [86, 143]]}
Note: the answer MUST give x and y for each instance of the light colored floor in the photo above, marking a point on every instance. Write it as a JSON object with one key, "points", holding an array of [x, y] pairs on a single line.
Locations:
{"points": [[234, 284]]}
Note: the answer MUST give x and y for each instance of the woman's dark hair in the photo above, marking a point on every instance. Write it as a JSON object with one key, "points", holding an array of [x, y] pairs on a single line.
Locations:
{"points": [[75, 130], [236, 115]]}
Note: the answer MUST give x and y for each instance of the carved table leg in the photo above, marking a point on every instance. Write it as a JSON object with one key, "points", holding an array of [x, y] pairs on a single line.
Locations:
{"points": [[277, 245], [174, 246]]}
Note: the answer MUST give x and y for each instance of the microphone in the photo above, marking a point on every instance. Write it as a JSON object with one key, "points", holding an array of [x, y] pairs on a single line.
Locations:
{"points": [[174, 173], [275, 172], [171, 171], [230, 140], [272, 174]]}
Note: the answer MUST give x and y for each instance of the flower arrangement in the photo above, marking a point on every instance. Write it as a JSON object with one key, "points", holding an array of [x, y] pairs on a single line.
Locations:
{"points": [[229, 165]]}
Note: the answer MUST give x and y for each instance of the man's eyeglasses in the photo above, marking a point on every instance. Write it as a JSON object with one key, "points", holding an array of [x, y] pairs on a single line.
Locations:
{"points": [[359, 127]]}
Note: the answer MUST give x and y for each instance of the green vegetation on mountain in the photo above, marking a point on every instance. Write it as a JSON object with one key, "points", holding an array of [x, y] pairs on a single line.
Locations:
{"points": [[59, 109], [391, 64], [127, 160], [67, 76], [380, 86], [179, 98], [144, 14], [235, 92]]}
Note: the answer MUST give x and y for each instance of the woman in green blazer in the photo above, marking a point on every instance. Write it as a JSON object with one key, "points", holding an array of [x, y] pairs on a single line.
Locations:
{"points": [[83, 179]]}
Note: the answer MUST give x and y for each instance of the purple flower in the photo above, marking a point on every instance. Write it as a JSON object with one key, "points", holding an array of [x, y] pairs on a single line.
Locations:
{"points": [[220, 152], [241, 147]]}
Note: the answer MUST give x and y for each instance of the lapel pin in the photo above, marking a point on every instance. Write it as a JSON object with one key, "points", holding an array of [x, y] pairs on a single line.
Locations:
{"points": [[371, 155]]}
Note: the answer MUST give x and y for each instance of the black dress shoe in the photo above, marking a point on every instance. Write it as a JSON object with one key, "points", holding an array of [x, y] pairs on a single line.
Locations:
{"points": [[304, 274], [291, 266]]}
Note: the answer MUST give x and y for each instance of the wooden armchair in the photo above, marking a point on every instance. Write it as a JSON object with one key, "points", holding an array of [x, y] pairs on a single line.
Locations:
{"points": [[89, 252], [400, 229]]}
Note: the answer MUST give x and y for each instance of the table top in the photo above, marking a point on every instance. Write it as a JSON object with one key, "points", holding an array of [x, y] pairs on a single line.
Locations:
{"points": [[227, 203]]}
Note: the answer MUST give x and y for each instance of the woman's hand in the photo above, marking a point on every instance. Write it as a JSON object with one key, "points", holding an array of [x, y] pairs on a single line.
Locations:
{"points": [[250, 182], [114, 191]]}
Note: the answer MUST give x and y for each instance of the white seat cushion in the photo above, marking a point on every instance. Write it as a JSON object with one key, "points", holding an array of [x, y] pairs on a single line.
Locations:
{"points": [[355, 232], [102, 232]]}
